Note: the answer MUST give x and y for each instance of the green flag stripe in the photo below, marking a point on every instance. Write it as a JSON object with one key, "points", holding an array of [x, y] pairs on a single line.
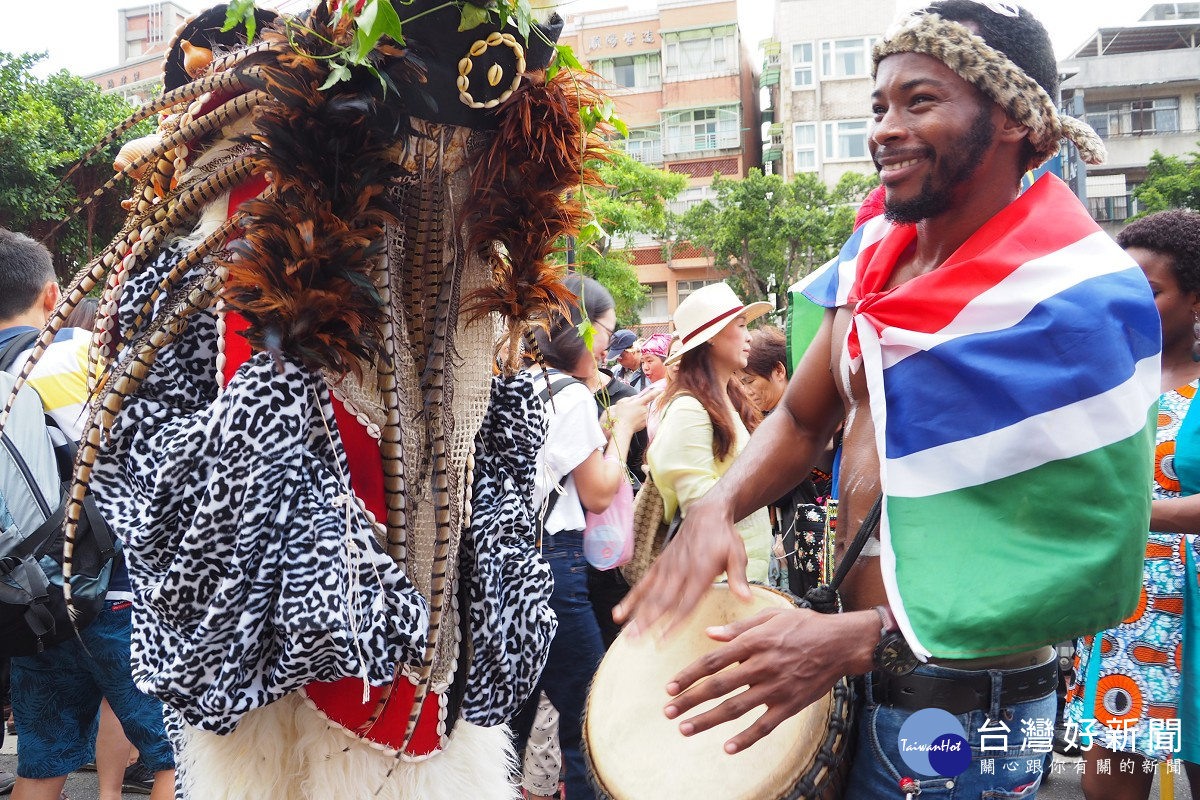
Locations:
{"points": [[1039, 557], [804, 319]]}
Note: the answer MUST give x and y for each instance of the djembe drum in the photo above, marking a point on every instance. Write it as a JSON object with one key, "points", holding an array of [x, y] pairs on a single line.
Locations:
{"points": [[636, 753]]}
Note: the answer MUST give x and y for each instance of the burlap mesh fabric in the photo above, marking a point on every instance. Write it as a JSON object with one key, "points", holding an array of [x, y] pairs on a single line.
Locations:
{"points": [[437, 165]]}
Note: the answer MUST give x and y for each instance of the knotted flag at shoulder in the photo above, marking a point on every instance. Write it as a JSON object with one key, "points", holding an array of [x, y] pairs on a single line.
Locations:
{"points": [[1014, 394]]}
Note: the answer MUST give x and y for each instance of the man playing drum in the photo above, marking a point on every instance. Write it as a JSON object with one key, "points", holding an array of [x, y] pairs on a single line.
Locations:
{"points": [[995, 357]]}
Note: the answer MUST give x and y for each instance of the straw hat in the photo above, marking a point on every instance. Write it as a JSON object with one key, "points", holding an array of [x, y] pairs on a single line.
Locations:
{"points": [[706, 312]]}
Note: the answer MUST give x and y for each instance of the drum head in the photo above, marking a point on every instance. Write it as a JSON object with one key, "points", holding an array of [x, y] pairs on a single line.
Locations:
{"points": [[636, 753]]}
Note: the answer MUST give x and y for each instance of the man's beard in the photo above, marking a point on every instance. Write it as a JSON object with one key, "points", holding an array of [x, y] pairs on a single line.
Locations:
{"points": [[958, 165]]}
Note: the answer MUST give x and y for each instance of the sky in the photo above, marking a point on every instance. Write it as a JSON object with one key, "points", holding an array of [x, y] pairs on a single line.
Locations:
{"points": [[81, 35]]}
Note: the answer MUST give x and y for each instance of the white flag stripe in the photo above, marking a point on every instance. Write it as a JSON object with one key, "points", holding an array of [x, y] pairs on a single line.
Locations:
{"points": [[873, 230], [887, 556], [1061, 433], [1011, 300], [802, 284]]}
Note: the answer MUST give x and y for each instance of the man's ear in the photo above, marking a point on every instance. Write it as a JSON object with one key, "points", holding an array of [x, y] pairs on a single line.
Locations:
{"points": [[51, 294], [1008, 129]]}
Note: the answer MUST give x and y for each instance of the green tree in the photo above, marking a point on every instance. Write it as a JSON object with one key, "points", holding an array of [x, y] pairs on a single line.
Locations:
{"points": [[45, 126], [769, 232], [633, 201], [1171, 182]]}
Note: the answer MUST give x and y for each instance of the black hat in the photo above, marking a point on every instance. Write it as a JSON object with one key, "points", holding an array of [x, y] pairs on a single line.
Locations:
{"points": [[204, 30]]}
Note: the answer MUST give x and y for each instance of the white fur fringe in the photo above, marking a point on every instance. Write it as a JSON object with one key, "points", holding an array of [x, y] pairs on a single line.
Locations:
{"points": [[286, 751]]}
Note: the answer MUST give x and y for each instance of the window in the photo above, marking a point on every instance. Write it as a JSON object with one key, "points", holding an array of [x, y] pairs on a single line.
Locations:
{"points": [[700, 52], [684, 288], [703, 129], [690, 198], [802, 66], [804, 142], [1135, 117], [845, 140], [654, 309], [846, 58], [644, 145], [631, 72], [1112, 209]]}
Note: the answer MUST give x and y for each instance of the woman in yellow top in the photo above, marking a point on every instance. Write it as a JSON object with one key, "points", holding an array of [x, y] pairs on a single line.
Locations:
{"points": [[707, 416]]}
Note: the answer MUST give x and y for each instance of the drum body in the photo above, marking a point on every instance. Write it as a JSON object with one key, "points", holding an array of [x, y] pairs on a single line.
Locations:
{"points": [[635, 753]]}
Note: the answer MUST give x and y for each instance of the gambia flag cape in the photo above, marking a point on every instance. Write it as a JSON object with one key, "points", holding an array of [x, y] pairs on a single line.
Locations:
{"points": [[1014, 394]]}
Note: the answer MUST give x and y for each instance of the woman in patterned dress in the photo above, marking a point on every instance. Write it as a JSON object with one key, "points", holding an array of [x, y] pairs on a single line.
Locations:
{"points": [[1139, 681]]}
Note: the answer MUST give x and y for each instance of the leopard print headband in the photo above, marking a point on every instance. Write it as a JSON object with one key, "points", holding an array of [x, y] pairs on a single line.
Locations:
{"points": [[989, 70]]}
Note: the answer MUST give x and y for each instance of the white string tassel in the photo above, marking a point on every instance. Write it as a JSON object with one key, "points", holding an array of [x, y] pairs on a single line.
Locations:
{"points": [[351, 557]]}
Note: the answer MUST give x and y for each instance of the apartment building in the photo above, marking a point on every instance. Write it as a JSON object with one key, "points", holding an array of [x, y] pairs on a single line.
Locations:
{"points": [[817, 73], [684, 83], [143, 33], [1138, 85]]}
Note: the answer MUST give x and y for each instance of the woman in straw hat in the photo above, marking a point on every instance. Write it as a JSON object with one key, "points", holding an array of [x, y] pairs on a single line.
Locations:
{"points": [[707, 416]]}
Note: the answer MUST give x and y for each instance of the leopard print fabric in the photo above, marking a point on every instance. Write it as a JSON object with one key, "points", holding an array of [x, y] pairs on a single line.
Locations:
{"points": [[250, 580], [508, 582], [255, 572]]}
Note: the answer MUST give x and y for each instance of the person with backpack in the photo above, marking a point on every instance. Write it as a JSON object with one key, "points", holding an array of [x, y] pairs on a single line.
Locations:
{"points": [[58, 685], [578, 471]]}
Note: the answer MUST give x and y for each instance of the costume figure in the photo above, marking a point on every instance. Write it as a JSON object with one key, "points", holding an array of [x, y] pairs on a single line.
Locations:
{"points": [[324, 492]]}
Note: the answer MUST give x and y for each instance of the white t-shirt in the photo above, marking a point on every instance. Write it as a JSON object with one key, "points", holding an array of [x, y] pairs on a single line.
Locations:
{"points": [[572, 435]]}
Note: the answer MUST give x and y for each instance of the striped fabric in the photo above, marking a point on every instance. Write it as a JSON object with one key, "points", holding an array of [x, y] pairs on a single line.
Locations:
{"points": [[1014, 396], [60, 378], [828, 286]]}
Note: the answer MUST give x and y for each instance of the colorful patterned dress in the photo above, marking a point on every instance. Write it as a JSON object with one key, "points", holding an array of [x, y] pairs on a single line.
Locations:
{"points": [[1139, 685]]}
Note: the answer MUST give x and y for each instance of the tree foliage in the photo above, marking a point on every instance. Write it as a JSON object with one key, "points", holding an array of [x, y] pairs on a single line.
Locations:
{"points": [[770, 232], [1171, 182], [46, 124], [634, 202]]}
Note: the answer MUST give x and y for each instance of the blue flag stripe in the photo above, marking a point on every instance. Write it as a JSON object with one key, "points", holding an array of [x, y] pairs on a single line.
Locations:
{"points": [[1065, 350]]}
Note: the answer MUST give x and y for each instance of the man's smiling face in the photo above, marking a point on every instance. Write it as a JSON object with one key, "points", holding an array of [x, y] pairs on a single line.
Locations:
{"points": [[932, 130]]}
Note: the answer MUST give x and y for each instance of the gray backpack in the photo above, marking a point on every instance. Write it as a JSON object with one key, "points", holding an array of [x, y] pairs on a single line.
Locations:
{"points": [[36, 461]]}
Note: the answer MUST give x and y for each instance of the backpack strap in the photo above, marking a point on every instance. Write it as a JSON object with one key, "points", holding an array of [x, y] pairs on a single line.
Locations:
{"points": [[557, 385], [17, 345], [553, 387]]}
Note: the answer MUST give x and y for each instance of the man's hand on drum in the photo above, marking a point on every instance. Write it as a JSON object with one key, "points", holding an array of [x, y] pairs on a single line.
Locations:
{"points": [[705, 546], [786, 658]]}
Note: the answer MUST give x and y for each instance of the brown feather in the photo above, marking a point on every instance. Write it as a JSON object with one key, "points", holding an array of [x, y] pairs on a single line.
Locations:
{"points": [[520, 198]]}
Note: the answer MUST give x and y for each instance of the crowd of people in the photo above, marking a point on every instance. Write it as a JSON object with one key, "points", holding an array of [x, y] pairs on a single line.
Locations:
{"points": [[995, 410]]}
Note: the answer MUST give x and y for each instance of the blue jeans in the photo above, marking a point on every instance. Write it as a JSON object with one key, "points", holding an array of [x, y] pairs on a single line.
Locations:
{"points": [[575, 654], [878, 766]]}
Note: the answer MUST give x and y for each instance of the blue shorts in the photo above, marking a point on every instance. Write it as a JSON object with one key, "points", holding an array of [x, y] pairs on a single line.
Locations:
{"points": [[56, 700]]}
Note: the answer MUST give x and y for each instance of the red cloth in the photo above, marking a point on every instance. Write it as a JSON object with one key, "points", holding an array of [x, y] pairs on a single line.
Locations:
{"points": [[872, 206], [341, 700]]}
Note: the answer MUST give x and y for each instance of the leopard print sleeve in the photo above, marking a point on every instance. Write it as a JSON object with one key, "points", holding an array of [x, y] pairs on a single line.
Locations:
{"points": [[507, 582], [254, 569]]}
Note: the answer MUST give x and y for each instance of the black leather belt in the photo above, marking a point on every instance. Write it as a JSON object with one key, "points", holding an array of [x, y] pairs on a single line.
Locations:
{"points": [[965, 692]]}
